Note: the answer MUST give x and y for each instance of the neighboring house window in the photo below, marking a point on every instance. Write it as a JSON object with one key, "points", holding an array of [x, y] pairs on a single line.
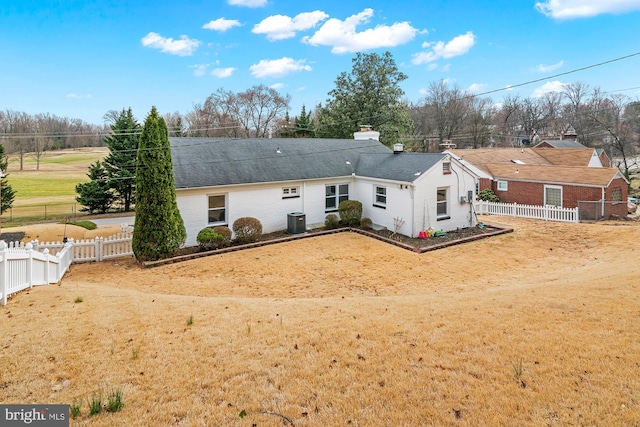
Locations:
{"points": [[290, 192], [380, 196], [217, 209], [503, 185], [441, 202], [553, 196], [446, 167], [334, 194], [616, 195]]}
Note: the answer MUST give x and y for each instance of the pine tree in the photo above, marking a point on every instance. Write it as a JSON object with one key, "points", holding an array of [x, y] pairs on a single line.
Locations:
{"points": [[8, 193], [95, 196], [120, 163], [159, 230], [303, 125]]}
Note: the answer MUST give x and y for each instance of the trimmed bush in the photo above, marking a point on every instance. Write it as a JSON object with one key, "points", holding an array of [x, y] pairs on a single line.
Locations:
{"points": [[331, 222], [366, 224], [350, 212], [247, 230], [225, 232], [208, 239], [488, 195]]}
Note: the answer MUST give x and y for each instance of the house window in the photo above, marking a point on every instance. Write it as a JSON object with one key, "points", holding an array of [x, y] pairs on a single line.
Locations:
{"points": [[334, 194], [442, 209], [446, 168], [553, 196], [217, 209], [380, 196], [503, 185], [616, 195], [290, 192]]}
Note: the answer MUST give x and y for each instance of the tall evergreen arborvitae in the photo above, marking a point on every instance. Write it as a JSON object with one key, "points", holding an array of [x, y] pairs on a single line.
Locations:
{"points": [[8, 193], [159, 230], [120, 163]]}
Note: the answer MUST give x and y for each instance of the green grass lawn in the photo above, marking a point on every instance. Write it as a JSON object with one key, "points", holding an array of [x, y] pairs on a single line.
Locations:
{"points": [[50, 190]]}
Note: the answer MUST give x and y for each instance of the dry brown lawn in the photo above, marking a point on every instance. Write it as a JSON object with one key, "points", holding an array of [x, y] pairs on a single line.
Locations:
{"points": [[533, 328]]}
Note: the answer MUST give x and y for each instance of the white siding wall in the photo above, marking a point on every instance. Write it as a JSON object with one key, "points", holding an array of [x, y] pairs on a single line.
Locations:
{"points": [[414, 204], [398, 203], [457, 183], [261, 201]]}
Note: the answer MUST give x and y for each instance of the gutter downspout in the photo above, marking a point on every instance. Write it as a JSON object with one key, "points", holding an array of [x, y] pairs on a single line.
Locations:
{"points": [[603, 202]]}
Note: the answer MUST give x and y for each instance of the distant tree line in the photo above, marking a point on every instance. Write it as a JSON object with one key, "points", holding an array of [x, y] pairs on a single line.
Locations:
{"points": [[23, 134]]}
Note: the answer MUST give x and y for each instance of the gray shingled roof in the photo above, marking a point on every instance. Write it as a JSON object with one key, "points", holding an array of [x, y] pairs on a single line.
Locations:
{"points": [[562, 143], [206, 162], [406, 167]]}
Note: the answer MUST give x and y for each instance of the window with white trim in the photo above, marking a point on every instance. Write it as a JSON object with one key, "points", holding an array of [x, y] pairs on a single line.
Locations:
{"points": [[442, 208], [553, 196], [290, 192], [503, 185], [380, 196], [446, 168], [334, 194], [217, 211]]}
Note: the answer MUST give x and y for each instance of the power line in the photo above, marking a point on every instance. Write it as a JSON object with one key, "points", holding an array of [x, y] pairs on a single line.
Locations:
{"points": [[509, 87]]}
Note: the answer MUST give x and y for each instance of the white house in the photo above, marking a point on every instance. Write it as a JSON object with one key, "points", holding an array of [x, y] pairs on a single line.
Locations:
{"points": [[220, 180]]}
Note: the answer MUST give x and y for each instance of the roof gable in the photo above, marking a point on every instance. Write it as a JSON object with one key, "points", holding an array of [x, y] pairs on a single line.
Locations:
{"points": [[405, 166]]}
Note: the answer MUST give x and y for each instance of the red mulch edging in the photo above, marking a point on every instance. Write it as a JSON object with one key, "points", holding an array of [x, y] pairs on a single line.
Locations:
{"points": [[490, 231]]}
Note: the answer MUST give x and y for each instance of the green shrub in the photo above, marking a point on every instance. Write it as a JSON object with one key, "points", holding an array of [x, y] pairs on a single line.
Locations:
{"points": [[488, 195], [366, 224], [350, 212], [331, 222], [247, 230], [208, 239], [225, 232]]}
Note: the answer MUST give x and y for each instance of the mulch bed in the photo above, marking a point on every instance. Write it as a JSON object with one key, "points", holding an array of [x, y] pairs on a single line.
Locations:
{"points": [[450, 238], [12, 236]]}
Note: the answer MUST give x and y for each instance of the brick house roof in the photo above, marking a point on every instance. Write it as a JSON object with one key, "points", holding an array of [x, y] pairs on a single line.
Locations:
{"points": [[574, 175], [566, 156]]}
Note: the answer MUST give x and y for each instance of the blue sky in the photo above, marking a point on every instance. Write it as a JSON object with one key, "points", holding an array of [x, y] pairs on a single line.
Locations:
{"points": [[80, 59]]}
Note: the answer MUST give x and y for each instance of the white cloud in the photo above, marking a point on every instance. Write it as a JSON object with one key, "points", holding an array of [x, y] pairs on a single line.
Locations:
{"points": [[183, 47], [476, 88], [248, 3], [343, 37], [432, 66], [221, 24], [554, 86], [280, 27], [546, 68], [459, 45], [199, 69], [278, 67], [570, 9], [222, 72], [277, 86]]}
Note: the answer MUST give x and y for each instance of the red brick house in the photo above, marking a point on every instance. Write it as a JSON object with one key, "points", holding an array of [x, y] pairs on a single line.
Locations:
{"points": [[558, 177]]}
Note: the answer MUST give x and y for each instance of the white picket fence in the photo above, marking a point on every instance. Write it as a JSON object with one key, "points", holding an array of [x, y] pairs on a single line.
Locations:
{"points": [[24, 266], [547, 213]]}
